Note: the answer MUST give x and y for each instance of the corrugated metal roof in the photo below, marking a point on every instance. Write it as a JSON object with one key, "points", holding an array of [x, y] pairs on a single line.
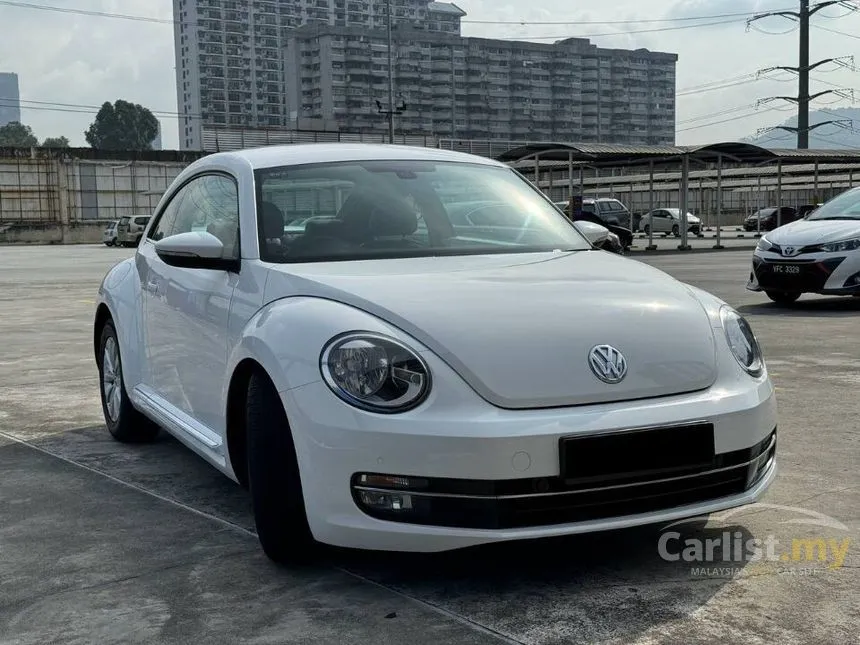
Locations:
{"points": [[599, 153]]}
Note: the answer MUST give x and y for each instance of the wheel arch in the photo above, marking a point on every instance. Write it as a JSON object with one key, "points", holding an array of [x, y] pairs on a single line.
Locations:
{"points": [[235, 428], [103, 314]]}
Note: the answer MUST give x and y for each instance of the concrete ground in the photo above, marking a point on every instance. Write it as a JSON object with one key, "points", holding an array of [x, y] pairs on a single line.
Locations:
{"points": [[108, 543]]}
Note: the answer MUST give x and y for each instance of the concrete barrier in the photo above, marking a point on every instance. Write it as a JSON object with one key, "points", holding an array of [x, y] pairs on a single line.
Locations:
{"points": [[77, 233]]}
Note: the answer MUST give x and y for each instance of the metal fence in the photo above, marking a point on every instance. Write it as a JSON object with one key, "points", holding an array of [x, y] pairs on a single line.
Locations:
{"points": [[80, 189], [744, 190], [39, 191]]}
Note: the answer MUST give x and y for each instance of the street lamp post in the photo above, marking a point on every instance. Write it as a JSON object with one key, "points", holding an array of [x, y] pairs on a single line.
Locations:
{"points": [[390, 81]]}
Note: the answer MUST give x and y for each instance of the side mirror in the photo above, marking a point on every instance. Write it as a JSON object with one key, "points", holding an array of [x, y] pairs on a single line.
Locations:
{"points": [[594, 233], [195, 250]]}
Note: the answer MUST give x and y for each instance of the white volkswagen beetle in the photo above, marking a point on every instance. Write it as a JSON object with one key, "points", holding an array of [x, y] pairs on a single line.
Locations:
{"points": [[383, 379]]}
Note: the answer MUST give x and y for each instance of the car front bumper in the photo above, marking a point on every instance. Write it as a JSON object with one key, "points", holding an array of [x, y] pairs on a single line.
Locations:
{"points": [[822, 273], [493, 475]]}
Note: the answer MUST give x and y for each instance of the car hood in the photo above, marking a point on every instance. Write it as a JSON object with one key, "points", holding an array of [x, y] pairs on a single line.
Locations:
{"points": [[806, 232], [519, 328]]}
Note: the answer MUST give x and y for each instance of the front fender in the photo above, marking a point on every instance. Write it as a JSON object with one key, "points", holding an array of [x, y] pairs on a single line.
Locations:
{"points": [[286, 337], [119, 291]]}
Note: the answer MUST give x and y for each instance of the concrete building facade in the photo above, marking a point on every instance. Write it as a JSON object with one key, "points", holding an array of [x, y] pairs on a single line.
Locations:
{"points": [[322, 65], [476, 88], [10, 98], [230, 53]]}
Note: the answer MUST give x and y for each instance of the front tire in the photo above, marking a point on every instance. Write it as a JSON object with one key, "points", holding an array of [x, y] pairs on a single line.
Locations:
{"points": [[647, 230], [273, 477], [676, 231], [123, 421], [783, 297]]}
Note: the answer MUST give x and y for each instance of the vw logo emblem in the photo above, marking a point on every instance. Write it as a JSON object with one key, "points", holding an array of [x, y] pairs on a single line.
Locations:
{"points": [[607, 363]]}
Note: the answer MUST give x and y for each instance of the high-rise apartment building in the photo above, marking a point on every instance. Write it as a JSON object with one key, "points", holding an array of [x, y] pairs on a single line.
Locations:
{"points": [[230, 53], [323, 64], [476, 88], [10, 99]]}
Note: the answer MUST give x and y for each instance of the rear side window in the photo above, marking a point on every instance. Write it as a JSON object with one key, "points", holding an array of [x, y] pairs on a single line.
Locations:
{"points": [[141, 221]]}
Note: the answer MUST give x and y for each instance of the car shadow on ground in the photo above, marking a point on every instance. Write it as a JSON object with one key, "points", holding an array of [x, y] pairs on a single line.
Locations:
{"points": [[837, 307], [590, 587], [594, 587]]}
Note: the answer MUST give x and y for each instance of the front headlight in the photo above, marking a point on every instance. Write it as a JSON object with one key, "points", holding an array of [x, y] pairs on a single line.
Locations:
{"points": [[763, 244], [374, 372], [840, 247], [742, 341]]}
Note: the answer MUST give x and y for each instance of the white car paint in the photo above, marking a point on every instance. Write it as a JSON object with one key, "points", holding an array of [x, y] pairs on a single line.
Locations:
{"points": [[664, 220], [502, 395], [595, 233], [795, 250]]}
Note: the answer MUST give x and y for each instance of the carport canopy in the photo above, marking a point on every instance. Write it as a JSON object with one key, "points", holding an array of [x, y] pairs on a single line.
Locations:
{"points": [[600, 154]]}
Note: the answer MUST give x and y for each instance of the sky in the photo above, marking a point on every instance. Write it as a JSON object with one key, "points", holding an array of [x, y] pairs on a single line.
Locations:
{"points": [[82, 61]]}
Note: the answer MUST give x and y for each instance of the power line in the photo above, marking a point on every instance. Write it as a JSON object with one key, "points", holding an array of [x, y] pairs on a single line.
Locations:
{"points": [[617, 33], [803, 98], [78, 108], [713, 115], [836, 31], [109, 14], [604, 22], [87, 12], [730, 120], [167, 21]]}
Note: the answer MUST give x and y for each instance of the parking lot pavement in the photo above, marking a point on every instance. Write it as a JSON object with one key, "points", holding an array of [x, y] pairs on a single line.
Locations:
{"points": [[103, 542]]}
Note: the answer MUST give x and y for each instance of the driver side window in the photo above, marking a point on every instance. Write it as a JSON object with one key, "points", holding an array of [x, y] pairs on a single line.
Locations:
{"points": [[207, 203]]}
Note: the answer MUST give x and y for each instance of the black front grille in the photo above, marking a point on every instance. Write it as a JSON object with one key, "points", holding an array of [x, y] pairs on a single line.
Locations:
{"points": [[811, 276], [546, 501]]}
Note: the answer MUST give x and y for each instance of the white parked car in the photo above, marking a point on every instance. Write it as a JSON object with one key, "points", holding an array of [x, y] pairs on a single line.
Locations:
{"points": [[387, 380], [668, 220], [109, 234], [818, 254]]}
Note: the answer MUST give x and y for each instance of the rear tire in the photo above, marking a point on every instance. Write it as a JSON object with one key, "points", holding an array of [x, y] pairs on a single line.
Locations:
{"points": [[647, 230], [676, 231], [782, 297], [273, 477], [122, 419]]}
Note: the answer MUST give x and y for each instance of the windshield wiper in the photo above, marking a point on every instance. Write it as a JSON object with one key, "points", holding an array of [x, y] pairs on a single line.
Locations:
{"points": [[837, 217]]}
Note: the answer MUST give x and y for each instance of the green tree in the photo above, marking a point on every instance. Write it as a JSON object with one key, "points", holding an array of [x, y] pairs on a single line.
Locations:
{"points": [[122, 126], [55, 142], [17, 135]]}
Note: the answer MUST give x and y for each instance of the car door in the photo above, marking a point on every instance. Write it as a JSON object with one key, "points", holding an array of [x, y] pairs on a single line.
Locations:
{"points": [[186, 310]]}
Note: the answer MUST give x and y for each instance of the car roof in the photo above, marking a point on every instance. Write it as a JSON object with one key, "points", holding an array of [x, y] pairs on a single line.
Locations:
{"points": [[306, 153]]}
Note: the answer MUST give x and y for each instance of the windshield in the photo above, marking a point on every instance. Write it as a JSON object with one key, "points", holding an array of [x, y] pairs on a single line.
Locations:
{"points": [[845, 206], [765, 212], [401, 208]]}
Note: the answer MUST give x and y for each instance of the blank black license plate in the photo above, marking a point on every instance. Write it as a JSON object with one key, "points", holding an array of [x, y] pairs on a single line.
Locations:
{"points": [[637, 452]]}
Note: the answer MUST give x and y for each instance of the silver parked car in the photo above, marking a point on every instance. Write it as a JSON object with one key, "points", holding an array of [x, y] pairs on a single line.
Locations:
{"points": [[668, 220], [130, 230]]}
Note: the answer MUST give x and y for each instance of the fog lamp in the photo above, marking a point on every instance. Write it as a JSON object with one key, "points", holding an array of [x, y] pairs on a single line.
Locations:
{"points": [[385, 501]]}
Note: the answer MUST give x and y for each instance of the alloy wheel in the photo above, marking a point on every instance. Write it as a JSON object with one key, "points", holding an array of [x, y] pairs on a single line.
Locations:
{"points": [[112, 379]]}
